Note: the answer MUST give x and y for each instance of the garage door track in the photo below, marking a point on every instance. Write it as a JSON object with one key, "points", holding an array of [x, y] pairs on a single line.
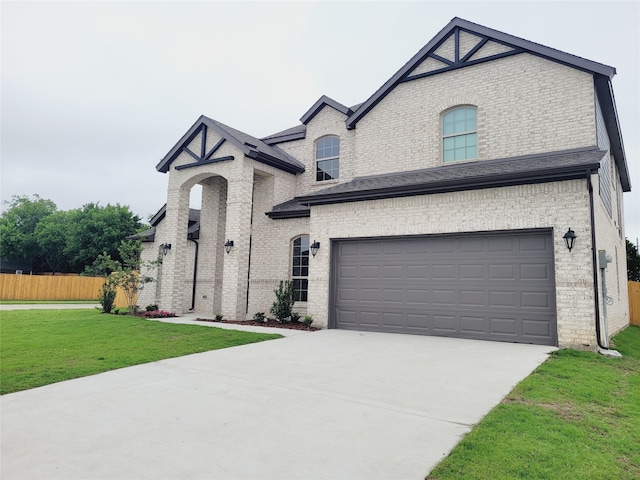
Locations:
{"points": [[330, 404]]}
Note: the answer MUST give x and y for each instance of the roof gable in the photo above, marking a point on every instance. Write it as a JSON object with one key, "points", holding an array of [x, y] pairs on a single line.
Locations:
{"points": [[248, 145], [322, 102], [462, 43]]}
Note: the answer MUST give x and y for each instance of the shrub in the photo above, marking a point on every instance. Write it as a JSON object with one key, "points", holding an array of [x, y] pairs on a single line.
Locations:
{"points": [[151, 308], [158, 314], [281, 308], [259, 317], [308, 320], [107, 296], [219, 317], [295, 316]]}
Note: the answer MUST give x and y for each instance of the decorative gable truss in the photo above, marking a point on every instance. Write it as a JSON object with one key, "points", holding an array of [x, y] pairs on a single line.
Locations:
{"points": [[460, 49], [250, 146], [204, 157]]}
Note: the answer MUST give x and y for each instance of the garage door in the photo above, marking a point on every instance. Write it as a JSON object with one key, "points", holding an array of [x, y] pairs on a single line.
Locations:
{"points": [[482, 286]]}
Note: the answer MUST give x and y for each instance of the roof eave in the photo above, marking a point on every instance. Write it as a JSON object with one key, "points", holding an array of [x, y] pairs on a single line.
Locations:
{"points": [[447, 186]]}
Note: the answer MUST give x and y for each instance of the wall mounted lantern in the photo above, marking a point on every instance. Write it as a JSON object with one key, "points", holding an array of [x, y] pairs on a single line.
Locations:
{"points": [[569, 238], [165, 248], [228, 246], [314, 247]]}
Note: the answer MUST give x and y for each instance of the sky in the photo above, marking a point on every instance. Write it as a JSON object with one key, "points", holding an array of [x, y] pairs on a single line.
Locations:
{"points": [[94, 94]]}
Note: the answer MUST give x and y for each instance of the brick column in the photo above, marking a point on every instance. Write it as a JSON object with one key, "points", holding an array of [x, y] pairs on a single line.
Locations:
{"points": [[173, 264], [238, 229]]}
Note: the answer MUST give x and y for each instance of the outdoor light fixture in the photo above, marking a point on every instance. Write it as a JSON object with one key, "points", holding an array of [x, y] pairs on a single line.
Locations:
{"points": [[228, 246], [569, 238], [314, 247], [165, 248]]}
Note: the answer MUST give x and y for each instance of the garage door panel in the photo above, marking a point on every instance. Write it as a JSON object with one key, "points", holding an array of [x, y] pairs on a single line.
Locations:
{"points": [[472, 324], [502, 272], [539, 300], [445, 323], [535, 271], [493, 287]]}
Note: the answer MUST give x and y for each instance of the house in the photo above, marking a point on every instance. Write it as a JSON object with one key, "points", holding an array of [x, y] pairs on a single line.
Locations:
{"points": [[476, 194]]}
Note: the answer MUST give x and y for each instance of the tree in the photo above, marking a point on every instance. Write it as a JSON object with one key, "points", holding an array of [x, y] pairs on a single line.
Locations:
{"points": [[285, 298], [52, 235], [633, 262], [95, 229], [18, 223], [125, 274]]}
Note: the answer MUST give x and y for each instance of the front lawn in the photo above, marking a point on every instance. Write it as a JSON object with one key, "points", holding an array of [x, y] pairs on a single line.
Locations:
{"points": [[39, 347], [576, 417]]}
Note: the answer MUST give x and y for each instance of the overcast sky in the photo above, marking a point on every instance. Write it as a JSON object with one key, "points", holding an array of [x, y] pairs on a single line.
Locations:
{"points": [[94, 94]]}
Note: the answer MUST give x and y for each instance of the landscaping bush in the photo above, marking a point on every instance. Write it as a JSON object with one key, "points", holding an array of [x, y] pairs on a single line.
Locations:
{"points": [[158, 314], [285, 295]]}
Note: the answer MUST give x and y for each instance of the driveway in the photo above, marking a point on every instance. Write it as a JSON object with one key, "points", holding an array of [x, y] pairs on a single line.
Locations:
{"points": [[330, 404]]}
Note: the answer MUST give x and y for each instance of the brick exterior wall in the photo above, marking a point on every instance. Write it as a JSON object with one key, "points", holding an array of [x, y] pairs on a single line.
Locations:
{"points": [[525, 105]]}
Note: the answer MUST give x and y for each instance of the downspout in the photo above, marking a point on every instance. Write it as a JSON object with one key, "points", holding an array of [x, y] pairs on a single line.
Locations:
{"points": [[594, 260], [195, 275]]}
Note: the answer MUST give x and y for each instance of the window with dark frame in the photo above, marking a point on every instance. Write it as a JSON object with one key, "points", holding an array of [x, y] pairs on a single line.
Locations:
{"points": [[300, 267], [328, 158]]}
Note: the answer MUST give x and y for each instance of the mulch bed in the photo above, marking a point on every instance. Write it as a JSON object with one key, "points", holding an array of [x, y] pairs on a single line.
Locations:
{"points": [[266, 323]]}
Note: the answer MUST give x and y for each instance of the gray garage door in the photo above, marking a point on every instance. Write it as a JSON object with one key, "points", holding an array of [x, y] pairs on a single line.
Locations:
{"points": [[483, 286]]}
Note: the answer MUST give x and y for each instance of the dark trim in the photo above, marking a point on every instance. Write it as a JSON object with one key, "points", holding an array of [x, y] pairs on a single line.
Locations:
{"points": [[186, 150], [205, 162], [604, 91], [441, 59], [273, 162], [462, 65], [215, 148], [474, 50], [320, 104], [480, 31], [285, 138], [203, 143], [475, 183], [288, 214]]}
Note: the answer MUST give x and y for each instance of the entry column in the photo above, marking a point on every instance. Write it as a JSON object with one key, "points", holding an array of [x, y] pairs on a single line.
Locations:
{"points": [[238, 230]]}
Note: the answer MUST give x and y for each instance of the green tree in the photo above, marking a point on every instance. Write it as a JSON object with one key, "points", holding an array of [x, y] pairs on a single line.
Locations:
{"points": [[633, 262], [17, 226], [95, 229], [52, 234]]}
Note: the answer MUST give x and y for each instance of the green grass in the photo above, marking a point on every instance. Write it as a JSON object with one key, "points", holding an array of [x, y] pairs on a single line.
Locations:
{"points": [[48, 302], [39, 347], [576, 417]]}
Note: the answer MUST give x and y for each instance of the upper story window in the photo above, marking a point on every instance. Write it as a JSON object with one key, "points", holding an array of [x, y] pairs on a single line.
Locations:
{"points": [[459, 134], [327, 158], [300, 267]]}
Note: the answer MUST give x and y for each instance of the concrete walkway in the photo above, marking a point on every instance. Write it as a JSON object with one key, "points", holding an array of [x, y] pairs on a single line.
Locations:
{"points": [[322, 405]]}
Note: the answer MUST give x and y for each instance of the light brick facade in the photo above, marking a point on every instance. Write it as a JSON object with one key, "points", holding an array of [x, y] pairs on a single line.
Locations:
{"points": [[526, 105]]}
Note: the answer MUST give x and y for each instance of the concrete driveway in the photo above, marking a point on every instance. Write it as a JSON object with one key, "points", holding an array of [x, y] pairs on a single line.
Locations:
{"points": [[330, 404]]}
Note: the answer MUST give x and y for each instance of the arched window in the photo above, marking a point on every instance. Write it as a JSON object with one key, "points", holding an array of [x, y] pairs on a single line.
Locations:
{"points": [[328, 158], [300, 267], [459, 134]]}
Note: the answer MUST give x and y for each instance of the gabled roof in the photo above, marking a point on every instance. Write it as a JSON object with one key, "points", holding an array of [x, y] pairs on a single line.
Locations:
{"points": [[529, 169], [484, 34], [149, 235], [322, 102], [247, 144], [510, 45]]}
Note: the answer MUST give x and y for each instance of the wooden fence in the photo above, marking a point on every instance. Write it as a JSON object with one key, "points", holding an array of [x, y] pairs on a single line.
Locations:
{"points": [[634, 303], [56, 287]]}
